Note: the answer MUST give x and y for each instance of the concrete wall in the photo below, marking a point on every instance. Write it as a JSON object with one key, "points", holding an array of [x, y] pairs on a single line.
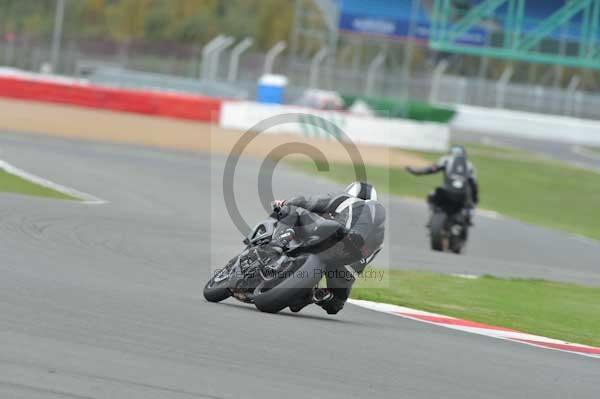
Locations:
{"points": [[398, 133], [526, 125]]}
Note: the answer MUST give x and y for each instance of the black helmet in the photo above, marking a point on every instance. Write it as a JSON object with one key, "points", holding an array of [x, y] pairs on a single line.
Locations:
{"points": [[362, 190]]}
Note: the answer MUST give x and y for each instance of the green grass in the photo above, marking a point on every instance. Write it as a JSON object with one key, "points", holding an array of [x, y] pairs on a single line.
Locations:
{"points": [[514, 183], [521, 185], [557, 310], [13, 184]]}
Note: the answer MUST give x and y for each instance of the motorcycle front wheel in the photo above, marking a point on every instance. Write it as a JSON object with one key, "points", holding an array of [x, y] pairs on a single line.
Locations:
{"points": [[217, 288]]}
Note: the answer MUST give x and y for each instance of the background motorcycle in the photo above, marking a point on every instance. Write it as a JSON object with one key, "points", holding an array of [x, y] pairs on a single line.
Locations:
{"points": [[270, 278], [448, 227]]}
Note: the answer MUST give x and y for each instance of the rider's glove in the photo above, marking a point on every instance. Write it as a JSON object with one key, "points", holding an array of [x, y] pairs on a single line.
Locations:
{"points": [[277, 205], [280, 210], [354, 243]]}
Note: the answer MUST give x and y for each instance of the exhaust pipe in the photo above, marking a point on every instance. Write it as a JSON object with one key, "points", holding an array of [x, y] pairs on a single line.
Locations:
{"points": [[322, 295]]}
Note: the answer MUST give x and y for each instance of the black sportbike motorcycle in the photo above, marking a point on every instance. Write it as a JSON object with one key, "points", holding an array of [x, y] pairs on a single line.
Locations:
{"points": [[270, 277], [448, 226]]}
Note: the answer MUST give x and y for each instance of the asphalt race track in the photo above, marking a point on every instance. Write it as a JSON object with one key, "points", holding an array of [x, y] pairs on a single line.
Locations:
{"points": [[565, 152], [104, 301]]}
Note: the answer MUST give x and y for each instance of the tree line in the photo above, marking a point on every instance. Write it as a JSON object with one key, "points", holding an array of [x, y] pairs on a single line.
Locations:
{"points": [[184, 21]]}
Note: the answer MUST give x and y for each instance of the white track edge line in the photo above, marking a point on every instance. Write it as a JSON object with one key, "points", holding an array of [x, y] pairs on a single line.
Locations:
{"points": [[584, 152], [512, 336], [84, 197]]}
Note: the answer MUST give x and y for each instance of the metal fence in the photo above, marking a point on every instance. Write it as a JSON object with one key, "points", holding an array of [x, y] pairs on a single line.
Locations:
{"points": [[194, 69], [518, 97], [119, 77]]}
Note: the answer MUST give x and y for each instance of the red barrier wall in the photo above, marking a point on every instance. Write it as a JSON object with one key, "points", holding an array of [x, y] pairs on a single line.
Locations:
{"points": [[179, 106]]}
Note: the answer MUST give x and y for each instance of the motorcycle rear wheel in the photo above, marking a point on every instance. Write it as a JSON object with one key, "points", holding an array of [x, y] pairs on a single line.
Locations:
{"points": [[299, 283]]}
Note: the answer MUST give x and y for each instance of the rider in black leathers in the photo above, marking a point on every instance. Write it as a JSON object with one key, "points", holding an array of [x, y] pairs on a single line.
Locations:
{"points": [[363, 220], [453, 164]]}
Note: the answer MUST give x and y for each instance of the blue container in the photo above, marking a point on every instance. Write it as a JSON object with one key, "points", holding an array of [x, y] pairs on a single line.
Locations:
{"points": [[271, 89]]}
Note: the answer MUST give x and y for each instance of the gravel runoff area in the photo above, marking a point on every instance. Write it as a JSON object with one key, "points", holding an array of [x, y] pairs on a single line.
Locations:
{"points": [[100, 125]]}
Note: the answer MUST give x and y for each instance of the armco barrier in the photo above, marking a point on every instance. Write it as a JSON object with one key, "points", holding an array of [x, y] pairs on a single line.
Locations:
{"points": [[141, 102], [399, 133]]}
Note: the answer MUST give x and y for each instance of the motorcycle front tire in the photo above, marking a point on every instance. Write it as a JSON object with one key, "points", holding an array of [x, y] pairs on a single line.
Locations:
{"points": [[217, 291]]}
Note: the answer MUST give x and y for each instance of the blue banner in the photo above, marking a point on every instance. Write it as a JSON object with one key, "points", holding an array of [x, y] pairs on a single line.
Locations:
{"points": [[392, 18]]}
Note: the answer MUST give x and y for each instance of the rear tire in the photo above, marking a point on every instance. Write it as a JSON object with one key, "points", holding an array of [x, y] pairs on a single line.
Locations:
{"points": [[300, 283], [438, 220]]}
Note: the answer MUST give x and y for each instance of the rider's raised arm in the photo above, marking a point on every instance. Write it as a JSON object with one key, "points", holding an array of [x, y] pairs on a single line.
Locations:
{"points": [[431, 169]]}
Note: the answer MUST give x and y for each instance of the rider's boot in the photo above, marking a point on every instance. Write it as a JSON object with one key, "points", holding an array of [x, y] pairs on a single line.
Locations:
{"points": [[469, 217], [319, 296]]}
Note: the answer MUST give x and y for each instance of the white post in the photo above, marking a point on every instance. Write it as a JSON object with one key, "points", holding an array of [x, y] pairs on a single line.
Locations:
{"points": [[236, 53], [501, 86], [570, 98], [539, 96], [462, 93], [273, 53], [372, 72], [216, 56], [314, 67], [207, 55], [440, 68], [57, 34], [578, 102]]}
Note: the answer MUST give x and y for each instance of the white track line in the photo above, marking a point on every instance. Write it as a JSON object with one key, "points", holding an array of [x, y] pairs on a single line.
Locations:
{"points": [[489, 214], [584, 152], [479, 328], [84, 197]]}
